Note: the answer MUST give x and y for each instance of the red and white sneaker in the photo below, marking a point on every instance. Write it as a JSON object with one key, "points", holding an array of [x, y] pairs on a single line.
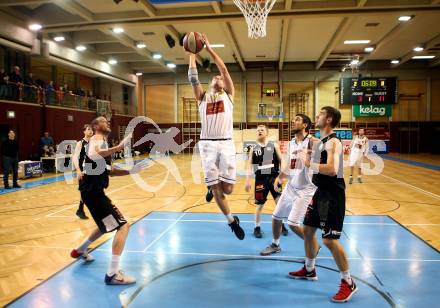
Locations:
{"points": [[304, 274], [345, 292], [83, 255]]}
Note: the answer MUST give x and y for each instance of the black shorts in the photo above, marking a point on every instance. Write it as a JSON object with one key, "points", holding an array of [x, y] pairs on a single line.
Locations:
{"points": [[264, 185], [327, 212], [104, 212]]}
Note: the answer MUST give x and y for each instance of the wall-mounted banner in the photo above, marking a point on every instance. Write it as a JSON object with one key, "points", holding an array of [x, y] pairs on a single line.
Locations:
{"points": [[372, 110], [341, 133]]}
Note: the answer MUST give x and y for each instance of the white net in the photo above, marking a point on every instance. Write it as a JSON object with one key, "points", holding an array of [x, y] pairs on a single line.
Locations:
{"points": [[255, 12]]}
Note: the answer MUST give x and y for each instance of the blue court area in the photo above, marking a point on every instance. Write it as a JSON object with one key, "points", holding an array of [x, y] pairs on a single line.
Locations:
{"points": [[193, 260]]}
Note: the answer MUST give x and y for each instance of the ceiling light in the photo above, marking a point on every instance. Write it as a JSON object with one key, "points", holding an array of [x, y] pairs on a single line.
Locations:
{"points": [[405, 18], [112, 61], [80, 47], [140, 45], [59, 38], [35, 27], [138, 74], [217, 45], [418, 49], [118, 30], [171, 65], [423, 57], [369, 49], [395, 61], [351, 42], [354, 62], [157, 56]]}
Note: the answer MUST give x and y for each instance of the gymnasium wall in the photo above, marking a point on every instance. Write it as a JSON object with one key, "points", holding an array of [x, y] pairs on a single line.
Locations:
{"points": [[164, 101]]}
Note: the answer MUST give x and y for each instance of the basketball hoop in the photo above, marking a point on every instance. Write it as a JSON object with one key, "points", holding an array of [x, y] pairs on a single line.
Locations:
{"points": [[255, 12]]}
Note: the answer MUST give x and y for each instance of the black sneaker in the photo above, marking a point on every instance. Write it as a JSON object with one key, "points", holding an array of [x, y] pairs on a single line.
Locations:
{"points": [[81, 215], [235, 227], [360, 180], [16, 186], [257, 232], [209, 195], [284, 230], [8, 187]]}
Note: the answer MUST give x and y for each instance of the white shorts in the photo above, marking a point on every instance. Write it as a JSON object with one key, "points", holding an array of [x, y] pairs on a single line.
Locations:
{"points": [[355, 158], [218, 161], [293, 204]]}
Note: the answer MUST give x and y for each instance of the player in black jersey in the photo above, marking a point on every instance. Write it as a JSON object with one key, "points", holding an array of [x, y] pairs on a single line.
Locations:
{"points": [[327, 210], [78, 162], [97, 169], [264, 160]]}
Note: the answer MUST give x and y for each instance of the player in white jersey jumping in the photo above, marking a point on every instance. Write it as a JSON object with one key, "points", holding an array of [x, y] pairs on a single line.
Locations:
{"points": [[217, 149], [299, 191], [358, 149]]}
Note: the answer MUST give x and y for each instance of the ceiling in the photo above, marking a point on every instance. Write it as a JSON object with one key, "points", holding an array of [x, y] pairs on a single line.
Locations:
{"points": [[305, 31]]}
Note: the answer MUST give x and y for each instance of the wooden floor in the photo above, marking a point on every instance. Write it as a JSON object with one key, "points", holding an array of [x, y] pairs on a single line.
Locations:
{"points": [[38, 226]]}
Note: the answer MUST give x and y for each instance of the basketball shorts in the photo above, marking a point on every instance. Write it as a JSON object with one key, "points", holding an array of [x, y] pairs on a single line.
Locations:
{"points": [[264, 185], [105, 214], [293, 203], [218, 161], [327, 212], [355, 158]]}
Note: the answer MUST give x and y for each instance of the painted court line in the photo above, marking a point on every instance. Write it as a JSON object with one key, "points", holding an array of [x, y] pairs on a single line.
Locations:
{"points": [[413, 187]]}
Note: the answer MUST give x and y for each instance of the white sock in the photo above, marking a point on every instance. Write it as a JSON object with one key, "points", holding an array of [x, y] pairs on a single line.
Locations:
{"points": [[359, 176], [346, 276], [310, 264], [257, 224], [113, 267], [83, 246], [276, 242], [230, 218]]}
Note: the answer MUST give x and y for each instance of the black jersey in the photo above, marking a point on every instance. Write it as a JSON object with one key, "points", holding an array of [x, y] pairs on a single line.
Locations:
{"points": [[323, 181], [97, 171], [82, 154], [265, 160]]}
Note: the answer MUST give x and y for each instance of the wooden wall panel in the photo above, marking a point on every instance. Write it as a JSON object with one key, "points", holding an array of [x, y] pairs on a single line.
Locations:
{"points": [[160, 100], [298, 87], [409, 107], [435, 100]]}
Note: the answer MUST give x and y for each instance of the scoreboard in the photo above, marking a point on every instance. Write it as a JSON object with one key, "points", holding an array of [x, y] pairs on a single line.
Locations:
{"points": [[370, 90]]}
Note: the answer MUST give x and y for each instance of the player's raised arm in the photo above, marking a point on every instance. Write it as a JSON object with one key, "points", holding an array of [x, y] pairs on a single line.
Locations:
{"points": [[193, 77], [229, 85]]}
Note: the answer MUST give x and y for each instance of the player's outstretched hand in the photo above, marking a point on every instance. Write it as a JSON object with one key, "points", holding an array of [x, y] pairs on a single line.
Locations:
{"points": [[205, 40], [125, 141]]}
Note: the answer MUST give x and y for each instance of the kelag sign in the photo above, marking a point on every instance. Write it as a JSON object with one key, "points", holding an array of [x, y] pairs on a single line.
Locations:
{"points": [[372, 110]]}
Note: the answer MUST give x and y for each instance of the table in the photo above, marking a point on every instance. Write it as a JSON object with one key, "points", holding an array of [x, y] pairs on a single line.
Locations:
{"points": [[59, 162]]}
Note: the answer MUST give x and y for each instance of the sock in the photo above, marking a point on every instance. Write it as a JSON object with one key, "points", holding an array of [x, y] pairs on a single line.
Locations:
{"points": [[113, 267], [359, 176], [276, 241], [310, 264], [257, 224], [230, 218], [351, 175], [346, 276], [83, 246]]}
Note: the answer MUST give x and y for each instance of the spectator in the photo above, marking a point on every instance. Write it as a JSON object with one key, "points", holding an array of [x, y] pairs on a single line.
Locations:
{"points": [[3, 84], [10, 160], [46, 141], [16, 83], [30, 90], [50, 93], [41, 90]]}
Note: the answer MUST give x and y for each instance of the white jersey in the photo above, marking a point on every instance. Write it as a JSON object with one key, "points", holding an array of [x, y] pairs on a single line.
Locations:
{"points": [[359, 144], [216, 115], [300, 175]]}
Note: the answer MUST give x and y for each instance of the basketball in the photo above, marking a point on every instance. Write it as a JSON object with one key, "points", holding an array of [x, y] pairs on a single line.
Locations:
{"points": [[193, 42]]}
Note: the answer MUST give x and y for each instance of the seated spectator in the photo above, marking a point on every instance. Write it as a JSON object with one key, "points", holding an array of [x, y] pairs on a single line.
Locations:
{"points": [[15, 83], [47, 141]]}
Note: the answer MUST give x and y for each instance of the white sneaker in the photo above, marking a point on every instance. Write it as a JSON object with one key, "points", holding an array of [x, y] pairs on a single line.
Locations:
{"points": [[119, 278], [83, 255]]}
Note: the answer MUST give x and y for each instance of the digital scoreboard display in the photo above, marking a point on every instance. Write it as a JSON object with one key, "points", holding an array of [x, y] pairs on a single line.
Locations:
{"points": [[358, 91]]}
